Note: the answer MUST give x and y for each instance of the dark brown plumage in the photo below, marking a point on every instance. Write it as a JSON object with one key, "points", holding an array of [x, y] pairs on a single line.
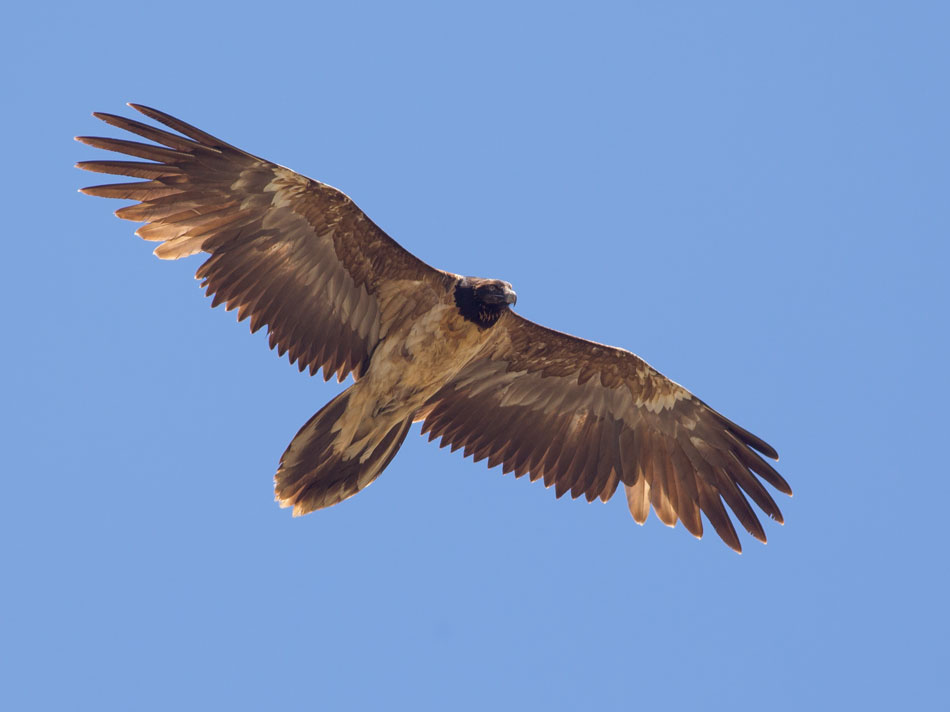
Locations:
{"points": [[336, 293]]}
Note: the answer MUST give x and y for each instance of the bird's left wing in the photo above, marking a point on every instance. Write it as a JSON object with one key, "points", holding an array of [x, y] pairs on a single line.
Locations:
{"points": [[289, 252], [586, 417]]}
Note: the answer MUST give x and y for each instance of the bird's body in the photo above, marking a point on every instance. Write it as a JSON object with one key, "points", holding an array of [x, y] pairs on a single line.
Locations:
{"points": [[407, 369], [422, 344]]}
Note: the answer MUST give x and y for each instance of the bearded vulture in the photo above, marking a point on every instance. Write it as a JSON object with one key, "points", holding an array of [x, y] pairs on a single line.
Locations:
{"points": [[337, 293]]}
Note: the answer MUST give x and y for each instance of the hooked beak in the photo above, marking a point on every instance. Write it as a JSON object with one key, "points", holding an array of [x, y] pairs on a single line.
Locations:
{"points": [[506, 297]]}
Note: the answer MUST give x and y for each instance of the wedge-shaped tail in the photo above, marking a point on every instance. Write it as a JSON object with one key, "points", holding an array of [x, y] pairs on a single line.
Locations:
{"points": [[317, 470]]}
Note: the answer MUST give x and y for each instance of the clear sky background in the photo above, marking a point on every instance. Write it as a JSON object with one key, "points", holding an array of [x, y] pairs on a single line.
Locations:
{"points": [[751, 196]]}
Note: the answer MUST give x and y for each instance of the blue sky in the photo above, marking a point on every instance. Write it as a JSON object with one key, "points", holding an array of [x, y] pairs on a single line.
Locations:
{"points": [[751, 196]]}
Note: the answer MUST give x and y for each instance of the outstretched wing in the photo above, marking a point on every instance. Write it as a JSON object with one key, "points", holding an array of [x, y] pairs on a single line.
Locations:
{"points": [[288, 252], [585, 418]]}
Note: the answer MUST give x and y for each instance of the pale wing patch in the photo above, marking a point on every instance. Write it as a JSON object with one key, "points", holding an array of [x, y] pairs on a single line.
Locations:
{"points": [[402, 300], [287, 186], [657, 393]]}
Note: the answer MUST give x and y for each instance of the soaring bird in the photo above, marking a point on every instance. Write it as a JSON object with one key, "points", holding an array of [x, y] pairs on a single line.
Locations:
{"points": [[337, 293]]}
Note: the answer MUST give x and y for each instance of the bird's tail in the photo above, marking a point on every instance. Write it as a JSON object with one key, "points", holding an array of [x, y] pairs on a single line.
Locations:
{"points": [[325, 463]]}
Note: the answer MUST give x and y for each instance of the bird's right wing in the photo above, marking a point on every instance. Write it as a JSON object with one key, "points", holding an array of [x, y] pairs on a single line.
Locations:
{"points": [[289, 252], [587, 417]]}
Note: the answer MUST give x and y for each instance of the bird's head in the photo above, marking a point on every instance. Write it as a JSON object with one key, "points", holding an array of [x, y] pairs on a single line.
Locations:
{"points": [[483, 301]]}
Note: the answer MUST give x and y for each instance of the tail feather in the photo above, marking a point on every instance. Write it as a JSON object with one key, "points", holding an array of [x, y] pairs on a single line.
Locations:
{"points": [[315, 472]]}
